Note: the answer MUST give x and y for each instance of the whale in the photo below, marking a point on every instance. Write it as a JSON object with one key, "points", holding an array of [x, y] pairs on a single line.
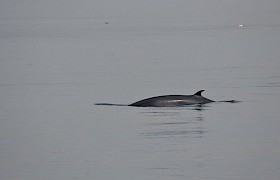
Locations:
{"points": [[171, 101]]}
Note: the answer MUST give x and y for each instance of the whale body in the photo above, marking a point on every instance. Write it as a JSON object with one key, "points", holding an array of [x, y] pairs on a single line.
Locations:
{"points": [[173, 100]]}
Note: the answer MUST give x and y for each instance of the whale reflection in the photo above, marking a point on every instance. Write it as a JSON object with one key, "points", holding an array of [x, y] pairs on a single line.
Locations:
{"points": [[175, 124]]}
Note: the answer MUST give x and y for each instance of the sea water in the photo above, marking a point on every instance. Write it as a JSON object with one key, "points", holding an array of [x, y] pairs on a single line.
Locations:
{"points": [[59, 58]]}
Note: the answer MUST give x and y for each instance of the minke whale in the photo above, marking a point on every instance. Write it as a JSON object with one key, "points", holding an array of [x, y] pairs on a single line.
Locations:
{"points": [[171, 101]]}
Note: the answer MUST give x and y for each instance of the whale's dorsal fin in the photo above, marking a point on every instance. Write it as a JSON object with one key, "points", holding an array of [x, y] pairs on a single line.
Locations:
{"points": [[198, 93]]}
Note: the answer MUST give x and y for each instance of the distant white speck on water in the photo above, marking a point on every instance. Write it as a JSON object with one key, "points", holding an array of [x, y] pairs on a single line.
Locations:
{"points": [[240, 25]]}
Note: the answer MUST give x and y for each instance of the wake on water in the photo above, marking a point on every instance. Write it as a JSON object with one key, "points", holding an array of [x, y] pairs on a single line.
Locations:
{"points": [[110, 104]]}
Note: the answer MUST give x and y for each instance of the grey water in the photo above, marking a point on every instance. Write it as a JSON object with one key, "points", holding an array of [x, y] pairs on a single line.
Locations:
{"points": [[59, 58]]}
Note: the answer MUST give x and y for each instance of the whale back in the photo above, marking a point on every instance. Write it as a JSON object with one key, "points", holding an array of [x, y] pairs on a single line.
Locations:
{"points": [[173, 100]]}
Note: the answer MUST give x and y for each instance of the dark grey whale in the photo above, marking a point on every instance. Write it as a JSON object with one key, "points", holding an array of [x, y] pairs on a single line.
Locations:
{"points": [[173, 100]]}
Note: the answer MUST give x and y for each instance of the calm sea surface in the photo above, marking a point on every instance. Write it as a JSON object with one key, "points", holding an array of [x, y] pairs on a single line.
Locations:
{"points": [[58, 58]]}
